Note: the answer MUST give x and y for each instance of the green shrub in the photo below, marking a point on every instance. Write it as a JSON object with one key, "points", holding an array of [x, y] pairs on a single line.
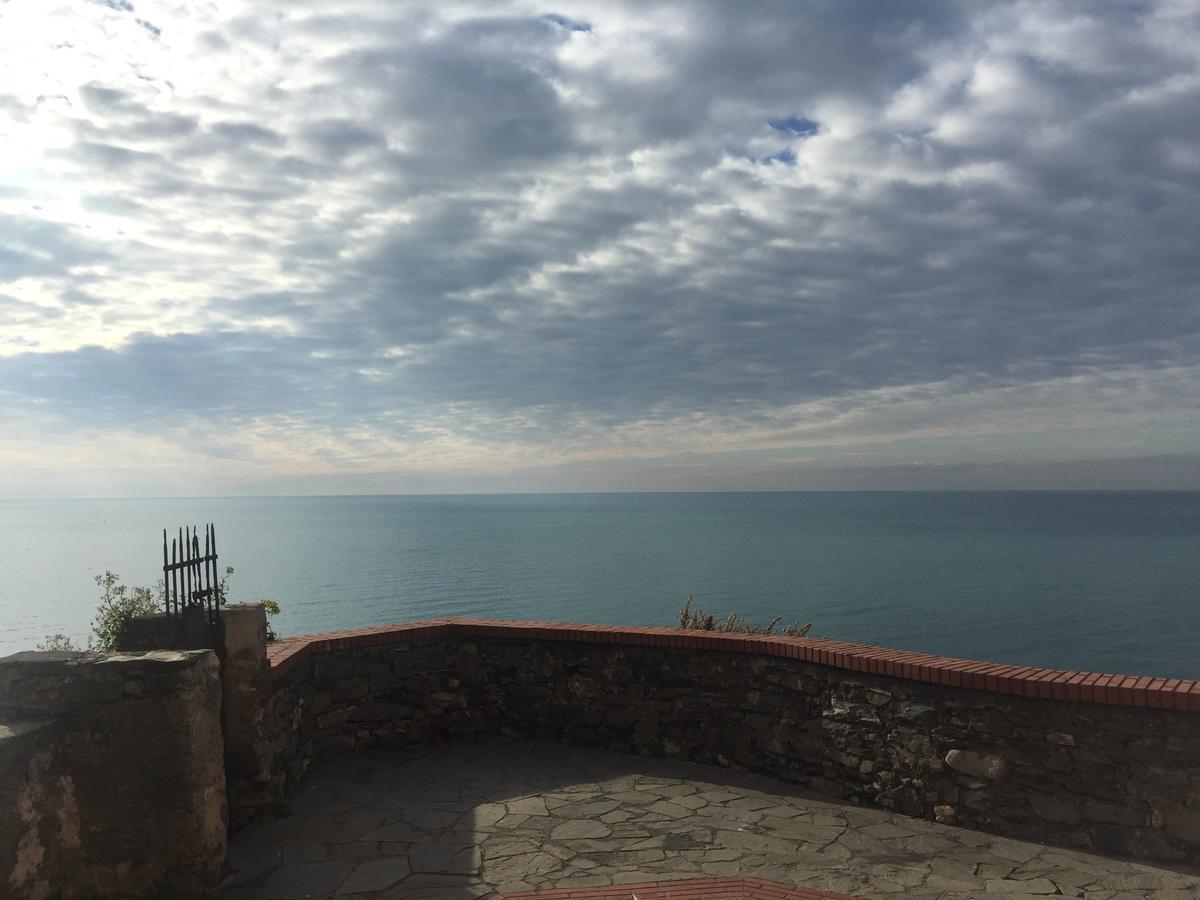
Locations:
{"points": [[118, 606], [272, 609], [221, 588], [698, 620]]}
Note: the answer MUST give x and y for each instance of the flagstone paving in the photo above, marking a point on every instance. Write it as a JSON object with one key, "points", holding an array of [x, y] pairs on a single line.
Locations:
{"points": [[461, 821]]}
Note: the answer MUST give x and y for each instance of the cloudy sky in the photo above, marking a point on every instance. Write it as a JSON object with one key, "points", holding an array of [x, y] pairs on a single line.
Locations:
{"points": [[382, 246]]}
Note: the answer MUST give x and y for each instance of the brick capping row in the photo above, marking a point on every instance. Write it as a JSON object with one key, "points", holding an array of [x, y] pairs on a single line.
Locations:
{"points": [[1026, 681], [693, 889]]}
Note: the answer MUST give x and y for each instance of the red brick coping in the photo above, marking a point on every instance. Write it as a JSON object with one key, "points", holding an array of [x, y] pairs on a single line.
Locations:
{"points": [[1025, 681], [701, 889]]}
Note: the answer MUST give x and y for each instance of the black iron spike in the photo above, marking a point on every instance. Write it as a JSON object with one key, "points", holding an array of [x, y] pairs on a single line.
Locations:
{"points": [[208, 584], [187, 569], [166, 575]]}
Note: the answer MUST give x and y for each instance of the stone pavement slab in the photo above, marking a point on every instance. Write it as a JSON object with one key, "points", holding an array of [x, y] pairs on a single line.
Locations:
{"points": [[700, 889], [466, 820]]}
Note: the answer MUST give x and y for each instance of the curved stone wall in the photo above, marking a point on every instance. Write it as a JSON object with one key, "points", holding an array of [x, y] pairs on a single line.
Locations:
{"points": [[1089, 760]]}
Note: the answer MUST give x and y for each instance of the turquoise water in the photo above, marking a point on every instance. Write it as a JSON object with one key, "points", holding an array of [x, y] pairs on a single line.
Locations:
{"points": [[1100, 581]]}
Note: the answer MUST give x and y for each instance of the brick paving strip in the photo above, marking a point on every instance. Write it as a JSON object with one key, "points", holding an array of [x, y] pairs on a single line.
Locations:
{"points": [[700, 889], [471, 819]]}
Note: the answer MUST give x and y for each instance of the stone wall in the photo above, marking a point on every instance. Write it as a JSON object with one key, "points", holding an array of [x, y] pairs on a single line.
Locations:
{"points": [[115, 769], [111, 775], [1004, 751], [246, 697], [158, 631], [276, 748], [400, 693], [239, 638]]}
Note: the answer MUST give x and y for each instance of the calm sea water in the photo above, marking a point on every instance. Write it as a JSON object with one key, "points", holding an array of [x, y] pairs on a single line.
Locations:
{"points": [[1099, 581]]}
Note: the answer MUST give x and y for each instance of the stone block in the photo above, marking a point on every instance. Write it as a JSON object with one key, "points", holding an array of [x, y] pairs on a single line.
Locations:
{"points": [[419, 659], [333, 718], [380, 676], [154, 632], [1115, 839], [1183, 824], [330, 671], [98, 689], [160, 684], [349, 689], [1053, 808], [244, 627], [877, 697], [334, 744], [945, 814], [1116, 814], [988, 766], [1024, 887]]}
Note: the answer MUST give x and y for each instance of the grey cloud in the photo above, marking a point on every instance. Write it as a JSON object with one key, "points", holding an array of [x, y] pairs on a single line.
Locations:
{"points": [[14, 108], [15, 312], [164, 125], [111, 156], [336, 138], [772, 205], [31, 247], [128, 119], [110, 100], [248, 132], [475, 101], [153, 377], [110, 204], [213, 41]]}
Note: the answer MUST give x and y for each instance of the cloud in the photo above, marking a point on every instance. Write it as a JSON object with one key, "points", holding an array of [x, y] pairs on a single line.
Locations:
{"points": [[490, 235]]}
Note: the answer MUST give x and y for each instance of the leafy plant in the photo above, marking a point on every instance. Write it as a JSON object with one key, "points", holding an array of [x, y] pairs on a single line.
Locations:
{"points": [[221, 588], [118, 605], [272, 609], [698, 620]]}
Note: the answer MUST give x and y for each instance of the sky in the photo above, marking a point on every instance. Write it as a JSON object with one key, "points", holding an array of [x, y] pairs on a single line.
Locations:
{"points": [[391, 247]]}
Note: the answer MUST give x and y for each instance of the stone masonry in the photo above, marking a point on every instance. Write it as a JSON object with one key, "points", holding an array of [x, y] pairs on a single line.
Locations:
{"points": [[121, 773], [1108, 777], [239, 639], [111, 775]]}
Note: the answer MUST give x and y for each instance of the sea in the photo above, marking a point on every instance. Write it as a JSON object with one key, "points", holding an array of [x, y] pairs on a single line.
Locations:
{"points": [[1097, 581]]}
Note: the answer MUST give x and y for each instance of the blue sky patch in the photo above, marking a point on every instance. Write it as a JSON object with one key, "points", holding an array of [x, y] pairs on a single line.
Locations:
{"points": [[797, 125], [569, 24]]}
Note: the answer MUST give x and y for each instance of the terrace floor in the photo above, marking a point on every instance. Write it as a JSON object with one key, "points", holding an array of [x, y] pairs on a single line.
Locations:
{"points": [[464, 820]]}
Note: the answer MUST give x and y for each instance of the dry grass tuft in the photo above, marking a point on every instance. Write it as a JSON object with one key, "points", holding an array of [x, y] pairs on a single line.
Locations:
{"points": [[698, 620]]}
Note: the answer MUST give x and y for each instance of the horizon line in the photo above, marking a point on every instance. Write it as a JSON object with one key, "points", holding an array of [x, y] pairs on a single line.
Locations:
{"points": [[981, 490]]}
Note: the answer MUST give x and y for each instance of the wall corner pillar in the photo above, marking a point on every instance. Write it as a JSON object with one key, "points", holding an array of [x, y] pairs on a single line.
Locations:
{"points": [[245, 689]]}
